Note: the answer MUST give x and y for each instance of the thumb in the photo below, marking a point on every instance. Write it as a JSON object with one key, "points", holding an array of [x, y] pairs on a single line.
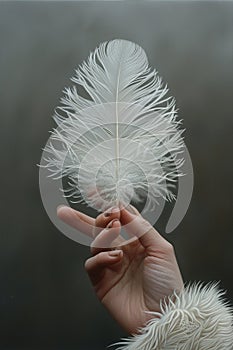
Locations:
{"points": [[96, 265]]}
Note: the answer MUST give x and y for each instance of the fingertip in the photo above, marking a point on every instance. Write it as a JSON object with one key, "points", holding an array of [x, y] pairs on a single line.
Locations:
{"points": [[115, 223], [127, 216], [62, 209], [113, 211], [106, 217], [116, 254]]}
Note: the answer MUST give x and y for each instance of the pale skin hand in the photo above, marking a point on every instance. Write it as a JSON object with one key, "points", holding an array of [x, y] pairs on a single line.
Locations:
{"points": [[136, 276]]}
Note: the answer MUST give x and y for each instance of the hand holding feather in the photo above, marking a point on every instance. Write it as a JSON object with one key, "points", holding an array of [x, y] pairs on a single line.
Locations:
{"points": [[130, 281]]}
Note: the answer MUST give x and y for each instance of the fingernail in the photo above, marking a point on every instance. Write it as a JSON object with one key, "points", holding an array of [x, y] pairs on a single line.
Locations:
{"points": [[115, 252], [111, 223], [111, 211]]}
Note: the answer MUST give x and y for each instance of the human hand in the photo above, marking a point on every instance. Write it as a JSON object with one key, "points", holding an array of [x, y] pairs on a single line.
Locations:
{"points": [[131, 280]]}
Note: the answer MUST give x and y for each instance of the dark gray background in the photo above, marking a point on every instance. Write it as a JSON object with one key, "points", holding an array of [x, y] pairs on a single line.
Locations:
{"points": [[45, 297]]}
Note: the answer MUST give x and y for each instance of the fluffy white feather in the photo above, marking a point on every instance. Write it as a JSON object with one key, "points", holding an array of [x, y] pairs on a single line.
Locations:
{"points": [[196, 319], [117, 137]]}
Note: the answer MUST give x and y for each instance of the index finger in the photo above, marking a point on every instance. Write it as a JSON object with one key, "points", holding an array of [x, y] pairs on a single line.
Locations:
{"points": [[76, 219]]}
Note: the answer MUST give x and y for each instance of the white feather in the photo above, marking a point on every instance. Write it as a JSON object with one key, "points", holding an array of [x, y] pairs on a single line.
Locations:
{"points": [[120, 141]]}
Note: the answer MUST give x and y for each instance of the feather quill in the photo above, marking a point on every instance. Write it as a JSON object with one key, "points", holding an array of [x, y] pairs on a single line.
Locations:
{"points": [[117, 138]]}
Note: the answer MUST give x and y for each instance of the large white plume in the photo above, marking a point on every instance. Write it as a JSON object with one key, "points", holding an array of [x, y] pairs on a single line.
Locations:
{"points": [[117, 138]]}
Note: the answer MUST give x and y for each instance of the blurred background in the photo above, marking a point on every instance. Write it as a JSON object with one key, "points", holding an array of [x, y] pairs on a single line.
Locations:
{"points": [[46, 300]]}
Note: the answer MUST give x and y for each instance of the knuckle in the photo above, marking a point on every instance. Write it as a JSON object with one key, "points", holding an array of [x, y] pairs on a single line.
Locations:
{"points": [[143, 225], [168, 247], [87, 264]]}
